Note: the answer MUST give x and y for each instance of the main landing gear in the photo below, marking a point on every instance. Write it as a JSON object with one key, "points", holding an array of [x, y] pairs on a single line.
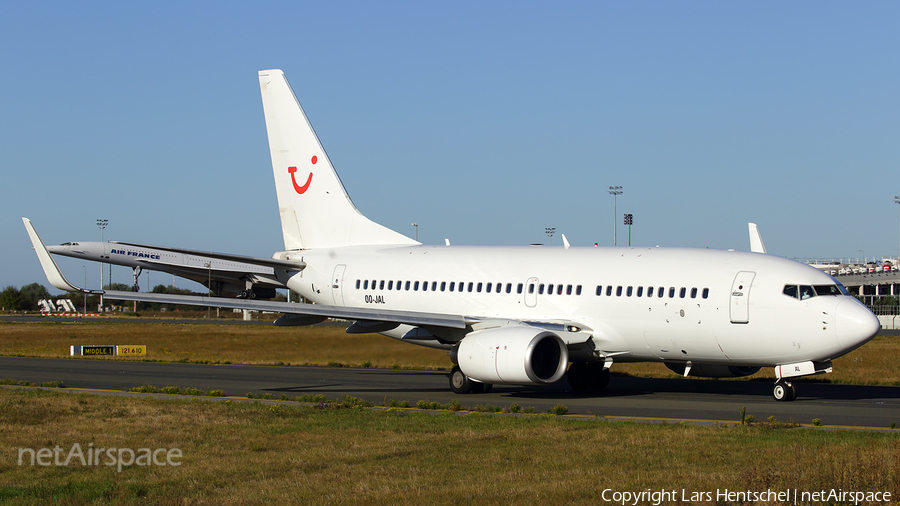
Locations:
{"points": [[588, 375], [462, 384], [137, 272], [784, 391]]}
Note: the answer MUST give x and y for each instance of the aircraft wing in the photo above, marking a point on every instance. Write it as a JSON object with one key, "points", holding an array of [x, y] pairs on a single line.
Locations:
{"points": [[51, 270], [345, 313], [268, 262]]}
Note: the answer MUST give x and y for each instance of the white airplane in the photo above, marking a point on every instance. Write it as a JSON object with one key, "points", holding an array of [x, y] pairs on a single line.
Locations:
{"points": [[223, 274], [531, 315]]}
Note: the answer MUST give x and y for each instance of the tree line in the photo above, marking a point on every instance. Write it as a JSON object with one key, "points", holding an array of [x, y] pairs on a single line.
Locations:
{"points": [[26, 298]]}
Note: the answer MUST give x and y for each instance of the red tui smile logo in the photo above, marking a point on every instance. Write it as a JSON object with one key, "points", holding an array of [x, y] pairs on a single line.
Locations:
{"points": [[297, 188]]}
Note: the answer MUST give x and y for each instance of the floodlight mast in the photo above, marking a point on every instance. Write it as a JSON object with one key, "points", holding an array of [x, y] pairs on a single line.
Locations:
{"points": [[615, 191], [550, 231], [897, 201], [102, 224]]}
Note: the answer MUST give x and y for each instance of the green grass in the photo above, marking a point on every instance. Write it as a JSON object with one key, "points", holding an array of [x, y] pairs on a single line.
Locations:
{"points": [[255, 453]]}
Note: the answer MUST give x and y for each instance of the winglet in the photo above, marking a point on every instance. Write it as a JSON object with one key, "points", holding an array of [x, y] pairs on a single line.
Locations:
{"points": [[565, 241], [51, 270], [756, 242]]}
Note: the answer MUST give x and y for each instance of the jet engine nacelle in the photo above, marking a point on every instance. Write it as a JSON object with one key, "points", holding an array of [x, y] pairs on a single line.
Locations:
{"points": [[519, 355], [714, 371]]}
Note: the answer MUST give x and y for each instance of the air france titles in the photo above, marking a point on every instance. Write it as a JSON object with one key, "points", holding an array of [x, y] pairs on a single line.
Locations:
{"points": [[134, 253]]}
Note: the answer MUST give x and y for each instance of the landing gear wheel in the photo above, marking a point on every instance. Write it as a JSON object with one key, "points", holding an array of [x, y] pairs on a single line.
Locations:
{"points": [[252, 295], [461, 384], [588, 375], [784, 391], [602, 380]]}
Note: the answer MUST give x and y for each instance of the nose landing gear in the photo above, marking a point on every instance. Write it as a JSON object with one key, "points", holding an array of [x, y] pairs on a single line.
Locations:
{"points": [[784, 391]]}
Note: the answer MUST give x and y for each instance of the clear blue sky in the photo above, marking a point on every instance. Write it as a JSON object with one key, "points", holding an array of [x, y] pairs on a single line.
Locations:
{"points": [[484, 122]]}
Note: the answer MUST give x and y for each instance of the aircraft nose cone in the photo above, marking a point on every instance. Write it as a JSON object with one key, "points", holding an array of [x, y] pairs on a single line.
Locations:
{"points": [[854, 323]]}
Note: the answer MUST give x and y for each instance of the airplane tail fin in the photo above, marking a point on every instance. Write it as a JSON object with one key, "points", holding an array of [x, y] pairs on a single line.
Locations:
{"points": [[316, 211], [756, 242]]}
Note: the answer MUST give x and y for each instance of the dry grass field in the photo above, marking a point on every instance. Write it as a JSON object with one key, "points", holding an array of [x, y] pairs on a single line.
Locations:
{"points": [[876, 363], [238, 453]]}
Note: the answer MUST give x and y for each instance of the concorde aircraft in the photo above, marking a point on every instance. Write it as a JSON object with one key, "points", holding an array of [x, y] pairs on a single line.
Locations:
{"points": [[224, 274], [532, 315]]}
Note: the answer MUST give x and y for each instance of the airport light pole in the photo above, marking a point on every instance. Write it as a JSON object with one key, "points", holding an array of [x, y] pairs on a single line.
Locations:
{"points": [[102, 224], [629, 220], [897, 201], [550, 231], [615, 191], [85, 286]]}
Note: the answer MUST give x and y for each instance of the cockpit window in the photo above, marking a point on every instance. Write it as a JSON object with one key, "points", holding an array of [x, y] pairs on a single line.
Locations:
{"points": [[828, 290], [804, 292], [69, 244]]}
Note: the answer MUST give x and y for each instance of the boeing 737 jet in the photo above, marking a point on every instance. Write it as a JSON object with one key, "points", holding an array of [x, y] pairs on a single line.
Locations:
{"points": [[223, 274], [532, 315]]}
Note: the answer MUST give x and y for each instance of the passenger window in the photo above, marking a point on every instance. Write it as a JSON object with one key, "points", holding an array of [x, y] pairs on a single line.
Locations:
{"points": [[416, 287], [452, 285], [470, 286], [640, 291], [683, 292], [509, 288], [549, 289], [599, 290], [434, 286], [444, 286], [373, 284], [662, 292], [609, 290], [357, 284], [628, 292], [541, 289], [479, 288], [530, 288], [578, 290], [366, 285], [424, 286], [671, 292], [649, 291], [488, 287], [407, 286], [391, 284], [705, 293], [694, 293], [618, 291], [559, 289]]}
